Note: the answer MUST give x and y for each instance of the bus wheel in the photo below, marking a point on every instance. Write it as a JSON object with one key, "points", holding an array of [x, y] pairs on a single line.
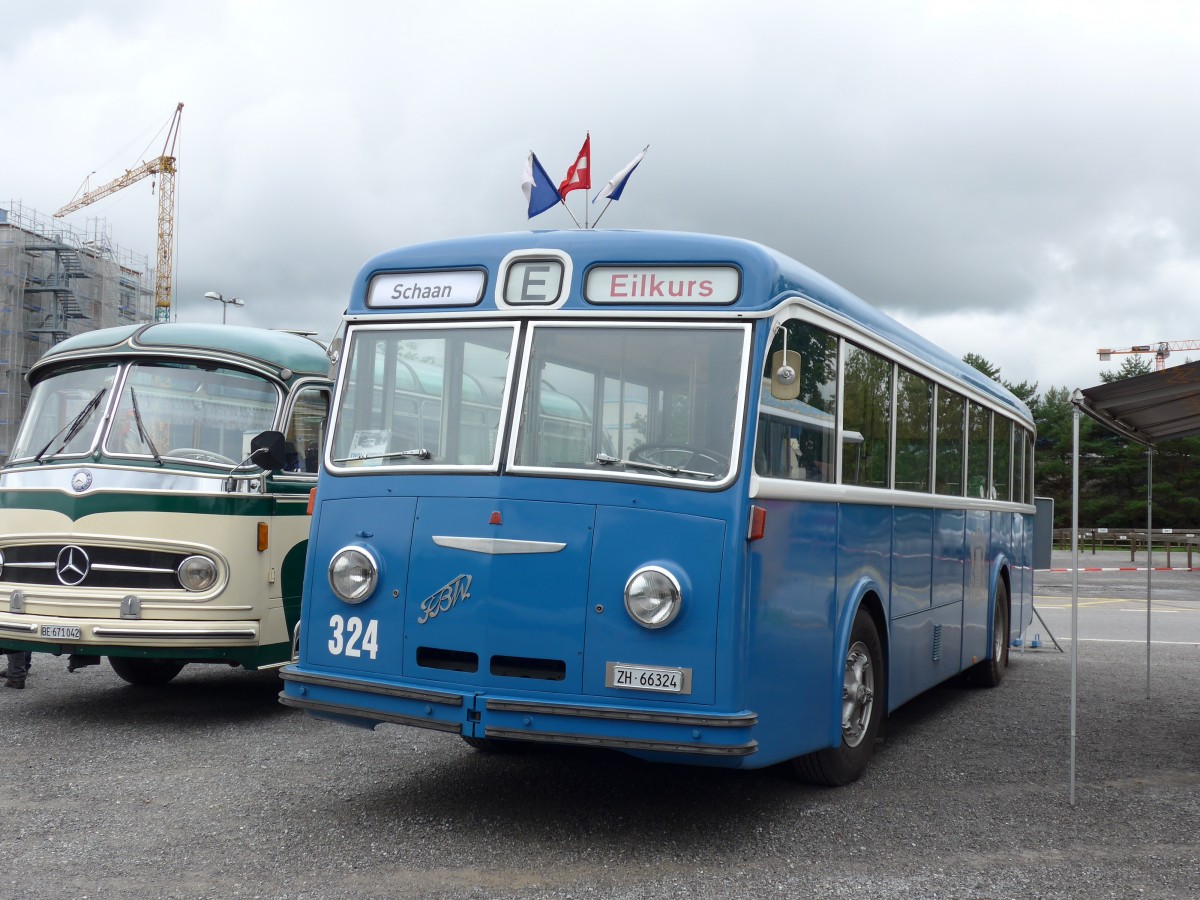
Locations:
{"points": [[990, 672], [863, 696], [145, 672]]}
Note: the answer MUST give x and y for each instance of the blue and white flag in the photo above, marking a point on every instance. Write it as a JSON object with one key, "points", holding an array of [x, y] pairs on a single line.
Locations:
{"points": [[540, 192], [613, 188]]}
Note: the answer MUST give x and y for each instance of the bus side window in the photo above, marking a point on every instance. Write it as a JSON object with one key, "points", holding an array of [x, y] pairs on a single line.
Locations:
{"points": [[866, 419], [795, 438], [305, 433], [914, 419]]}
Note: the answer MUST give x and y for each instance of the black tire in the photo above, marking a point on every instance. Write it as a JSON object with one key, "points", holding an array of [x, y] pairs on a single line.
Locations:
{"points": [[990, 672], [145, 672], [864, 697]]}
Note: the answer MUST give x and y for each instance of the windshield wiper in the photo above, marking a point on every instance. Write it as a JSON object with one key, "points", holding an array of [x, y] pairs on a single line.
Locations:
{"points": [[137, 417], [420, 453], [605, 460], [73, 427]]}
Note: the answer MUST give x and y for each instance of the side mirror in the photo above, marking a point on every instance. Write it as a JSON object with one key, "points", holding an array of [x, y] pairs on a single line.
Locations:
{"points": [[267, 450], [785, 374]]}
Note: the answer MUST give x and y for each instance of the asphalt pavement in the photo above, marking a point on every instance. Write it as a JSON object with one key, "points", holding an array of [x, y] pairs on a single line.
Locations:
{"points": [[208, 787]]}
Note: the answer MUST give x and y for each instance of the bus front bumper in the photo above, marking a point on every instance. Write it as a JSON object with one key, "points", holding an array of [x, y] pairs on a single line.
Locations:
{"points": [[236, 641], [357, 701]]}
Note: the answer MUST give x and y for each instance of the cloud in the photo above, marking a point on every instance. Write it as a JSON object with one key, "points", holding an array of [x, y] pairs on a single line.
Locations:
{"points": [[1013, 180]]}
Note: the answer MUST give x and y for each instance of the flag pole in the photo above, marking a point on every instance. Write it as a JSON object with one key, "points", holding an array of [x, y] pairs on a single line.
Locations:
{"points": [[602, 212], [568, 209]]}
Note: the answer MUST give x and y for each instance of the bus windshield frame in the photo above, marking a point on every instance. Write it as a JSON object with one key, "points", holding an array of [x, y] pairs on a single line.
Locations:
{"points": [[657, 383]]}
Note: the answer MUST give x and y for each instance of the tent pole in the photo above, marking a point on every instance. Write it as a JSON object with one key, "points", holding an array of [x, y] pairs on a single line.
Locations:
{"points": [[1149, 552], [1074, 586]]}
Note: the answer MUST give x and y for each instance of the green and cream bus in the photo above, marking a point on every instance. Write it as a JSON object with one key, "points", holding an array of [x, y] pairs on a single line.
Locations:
{"points": [[154, 507]]}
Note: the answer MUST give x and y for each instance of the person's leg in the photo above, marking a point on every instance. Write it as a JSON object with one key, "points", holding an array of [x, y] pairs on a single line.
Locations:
{"points": [[16, 669]]}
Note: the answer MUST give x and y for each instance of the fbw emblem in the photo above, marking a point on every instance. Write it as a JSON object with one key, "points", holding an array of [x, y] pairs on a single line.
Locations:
{"points": [[445, 598]]}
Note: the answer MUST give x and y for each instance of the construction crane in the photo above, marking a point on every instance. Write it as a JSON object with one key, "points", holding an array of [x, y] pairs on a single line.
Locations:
{"points": [[1160, 349], [164, 167]]}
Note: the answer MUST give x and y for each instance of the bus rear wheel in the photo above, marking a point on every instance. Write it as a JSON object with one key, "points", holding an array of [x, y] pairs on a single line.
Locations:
{"points": [[864, 681], [145, 672], [990, 672]]}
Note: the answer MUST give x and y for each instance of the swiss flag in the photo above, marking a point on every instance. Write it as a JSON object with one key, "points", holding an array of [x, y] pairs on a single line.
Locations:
{"points": [[579, 176]]}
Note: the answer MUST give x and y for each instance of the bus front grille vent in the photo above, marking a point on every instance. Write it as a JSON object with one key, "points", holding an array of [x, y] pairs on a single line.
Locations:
{"points": [[449, 660], [91, 566], [937, 642], [528, 667]]}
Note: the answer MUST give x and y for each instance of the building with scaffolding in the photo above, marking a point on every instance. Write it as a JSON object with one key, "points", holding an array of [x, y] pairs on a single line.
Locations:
{"points": [[56, 281]]}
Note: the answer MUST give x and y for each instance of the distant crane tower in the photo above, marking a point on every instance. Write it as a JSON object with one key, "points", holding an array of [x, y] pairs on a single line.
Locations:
{"points": [[164, 167], [1161, 350]]}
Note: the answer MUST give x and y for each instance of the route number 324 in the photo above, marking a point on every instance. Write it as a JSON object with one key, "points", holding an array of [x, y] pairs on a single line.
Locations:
{"points": [[351, 638]]}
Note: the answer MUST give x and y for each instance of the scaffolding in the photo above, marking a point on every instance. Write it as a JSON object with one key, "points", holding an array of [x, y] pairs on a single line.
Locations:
{"points": [[56, 281]]}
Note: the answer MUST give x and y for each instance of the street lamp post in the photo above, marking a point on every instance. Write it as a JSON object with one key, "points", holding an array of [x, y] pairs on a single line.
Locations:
{"points": [[225, 303]]}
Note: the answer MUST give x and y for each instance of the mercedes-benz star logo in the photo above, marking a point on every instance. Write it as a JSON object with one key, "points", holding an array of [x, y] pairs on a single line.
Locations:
{"points": [[72, 565], [81, 481]]}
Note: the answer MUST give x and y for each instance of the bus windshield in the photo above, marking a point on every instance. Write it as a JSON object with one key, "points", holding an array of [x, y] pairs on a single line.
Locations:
{"points": [[203, 414], [657, 401], [423, 395], [64, 413]]}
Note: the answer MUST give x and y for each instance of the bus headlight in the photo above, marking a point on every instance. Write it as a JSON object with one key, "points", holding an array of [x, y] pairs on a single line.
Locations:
{"points": [[353, 574], [653, 597], [197, 573]]}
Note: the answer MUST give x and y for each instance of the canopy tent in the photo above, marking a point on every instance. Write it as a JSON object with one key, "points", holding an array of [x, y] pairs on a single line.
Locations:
{"points": [[1147, 409]]}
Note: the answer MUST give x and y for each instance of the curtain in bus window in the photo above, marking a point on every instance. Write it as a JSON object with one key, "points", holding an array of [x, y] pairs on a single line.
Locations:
{"points": [[1002, 459], [796, 438], [951, 408], [866, 418], [1018, 464], [1029, 444], [979, 421], [914, 419]]}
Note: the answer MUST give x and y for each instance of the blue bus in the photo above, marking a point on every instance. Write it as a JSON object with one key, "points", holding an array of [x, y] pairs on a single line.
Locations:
{"points": [[672, 494]]}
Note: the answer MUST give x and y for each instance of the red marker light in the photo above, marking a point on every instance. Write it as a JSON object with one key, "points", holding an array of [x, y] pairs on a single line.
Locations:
{"points": [[495, 519], [758, 523]]}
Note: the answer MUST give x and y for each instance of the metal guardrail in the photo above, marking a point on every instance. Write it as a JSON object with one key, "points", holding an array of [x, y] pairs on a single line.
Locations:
{"points": [[1160, 540]]}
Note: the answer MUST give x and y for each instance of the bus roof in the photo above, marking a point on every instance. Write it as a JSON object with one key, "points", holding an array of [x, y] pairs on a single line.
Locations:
{"points": [[767, 278], [278, 350]]}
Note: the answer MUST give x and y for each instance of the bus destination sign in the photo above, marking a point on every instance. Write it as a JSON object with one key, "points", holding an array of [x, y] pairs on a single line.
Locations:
{"points": [[456, 287], [663, 284]]}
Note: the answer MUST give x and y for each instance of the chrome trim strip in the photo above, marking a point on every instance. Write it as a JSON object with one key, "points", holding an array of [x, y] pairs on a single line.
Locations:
{"points": [[367, 687], [100, 631], [110, 567], [741, 720], [625, 743], [357, 713], [17, 626], [497, 546]]}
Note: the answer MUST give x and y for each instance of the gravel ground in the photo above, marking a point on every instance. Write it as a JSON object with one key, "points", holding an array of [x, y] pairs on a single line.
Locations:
{"points": [[209, 788]]}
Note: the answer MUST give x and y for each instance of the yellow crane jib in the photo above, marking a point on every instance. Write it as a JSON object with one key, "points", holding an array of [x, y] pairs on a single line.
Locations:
{"points": [[164, 167]]}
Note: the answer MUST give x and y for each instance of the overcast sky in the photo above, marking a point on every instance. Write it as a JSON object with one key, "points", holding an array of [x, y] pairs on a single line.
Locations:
{"points": [[1014, 179]]}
